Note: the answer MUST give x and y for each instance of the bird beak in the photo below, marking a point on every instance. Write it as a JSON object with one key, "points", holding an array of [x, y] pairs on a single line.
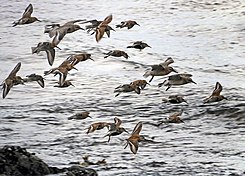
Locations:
{"points": [[137, 24], [193, 82], [58, 47], [39, 20], [81, 28], [175, 71], [125, 131], [75, 68], [91, 59], [34, 49]]}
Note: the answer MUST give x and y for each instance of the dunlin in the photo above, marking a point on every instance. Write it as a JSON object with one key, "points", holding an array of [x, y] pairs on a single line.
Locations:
{"points": [[34, 77], [100, 30], [117, 53], [139, 45], [62, 70], [135, 138], [26, 17], [12, 80], [126, 88], [174, 99], [174, 118], [48, 48], [139, 83], [95, 24], [97, 126], [76, 58], [129, 24], [161, 69], [178, 79], [215, 96], [115, 129], [80, 115]]}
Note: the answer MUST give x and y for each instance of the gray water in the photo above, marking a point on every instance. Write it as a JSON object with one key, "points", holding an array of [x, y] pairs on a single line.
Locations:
{"points": [[205, 38]]}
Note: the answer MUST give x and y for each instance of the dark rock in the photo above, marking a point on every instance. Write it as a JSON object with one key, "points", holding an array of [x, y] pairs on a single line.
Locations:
{"points": [[16, 161]]}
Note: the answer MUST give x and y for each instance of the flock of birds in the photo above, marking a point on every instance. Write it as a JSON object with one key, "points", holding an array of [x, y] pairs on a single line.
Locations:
{"points": [[98, 28]]}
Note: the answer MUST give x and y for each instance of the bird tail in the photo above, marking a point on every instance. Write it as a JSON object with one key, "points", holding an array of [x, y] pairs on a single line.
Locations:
{"points": [[147, 73], [161, 84]]}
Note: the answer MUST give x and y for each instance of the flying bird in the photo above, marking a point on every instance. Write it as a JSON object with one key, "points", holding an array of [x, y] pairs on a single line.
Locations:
{"points": [[135, 138], [12, 80], [26, 17], [161, 69], [215, 96], [139, 45], [178, 79], [100, 30], [129, 24]]}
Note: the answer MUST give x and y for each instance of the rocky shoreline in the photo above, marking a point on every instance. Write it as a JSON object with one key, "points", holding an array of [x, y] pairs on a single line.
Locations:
{"points": [[16, 161]]}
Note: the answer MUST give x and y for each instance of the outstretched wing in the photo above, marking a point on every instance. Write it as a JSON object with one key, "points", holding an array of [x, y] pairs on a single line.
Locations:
{"points": [[137, 128], [28, 11], [15, 70], [99, 33], [72, 22], [167, 62], [133, 145], [218, 88], [117, 121], [41, 82], [62, 77], [108, 19], [50, 55], [6, 88]]}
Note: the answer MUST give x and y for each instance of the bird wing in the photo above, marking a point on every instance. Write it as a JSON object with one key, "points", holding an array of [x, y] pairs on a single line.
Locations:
{"points": [[59, 35], [99, 33], [28, 11], [117, 121], [94, 22], [50, 55], [185, 75], [137, 128], [41, 82], [133, 145], [157, 67], [15, 70], [218, 88], [175, 77], [62, 76], [108, 19], [72, 22], [167, 62], [6, 87]]}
